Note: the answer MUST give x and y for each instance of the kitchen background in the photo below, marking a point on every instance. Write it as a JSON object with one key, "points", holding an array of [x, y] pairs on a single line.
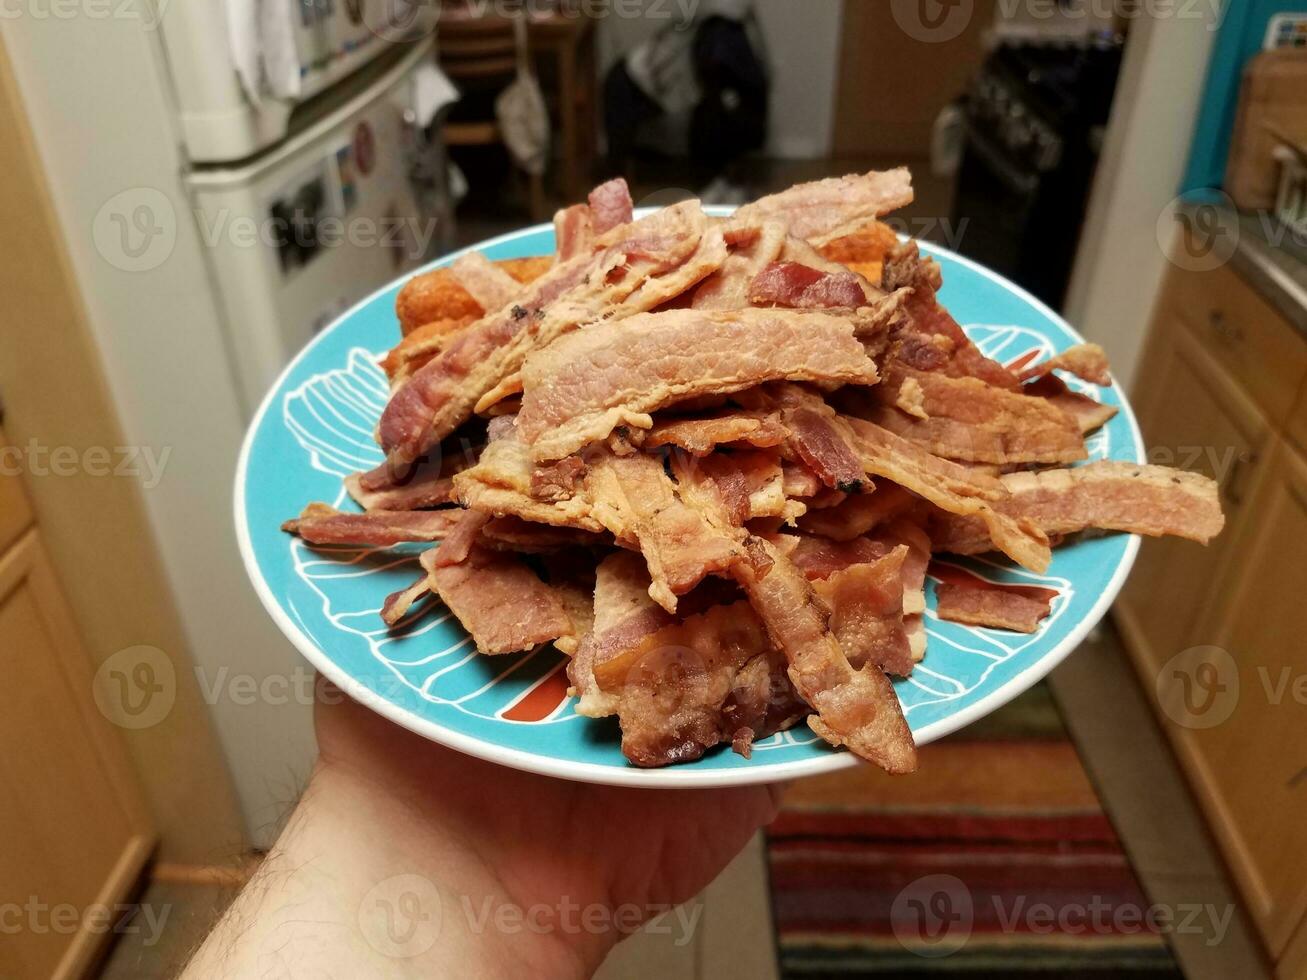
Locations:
{"points": [[192, 190]]}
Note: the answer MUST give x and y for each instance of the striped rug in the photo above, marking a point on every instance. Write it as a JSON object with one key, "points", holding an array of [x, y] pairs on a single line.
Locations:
{"points": [[996, 860]]}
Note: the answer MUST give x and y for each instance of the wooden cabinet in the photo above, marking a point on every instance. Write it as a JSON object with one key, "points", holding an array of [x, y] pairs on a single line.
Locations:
{"points": [[74, 833], [1257, 348], [1253, 766], [15, 514], [1223, 390], [1193, 417]]}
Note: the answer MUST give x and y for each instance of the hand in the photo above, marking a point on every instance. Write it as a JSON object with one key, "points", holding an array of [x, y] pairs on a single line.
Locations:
{"points": [[571, 867]]}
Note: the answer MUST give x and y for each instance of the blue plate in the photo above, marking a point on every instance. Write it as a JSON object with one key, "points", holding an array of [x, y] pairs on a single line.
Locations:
{"points": [[315, 426]]}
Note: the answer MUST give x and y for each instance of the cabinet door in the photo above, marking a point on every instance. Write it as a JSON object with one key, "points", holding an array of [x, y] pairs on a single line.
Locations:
{"points": [[1253, 766], [15, 515], [1192, 417], [74, 830]]}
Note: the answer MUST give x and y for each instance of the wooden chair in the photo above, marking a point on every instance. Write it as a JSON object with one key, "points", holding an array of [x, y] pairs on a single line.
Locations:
{"points": [[481, 50]]}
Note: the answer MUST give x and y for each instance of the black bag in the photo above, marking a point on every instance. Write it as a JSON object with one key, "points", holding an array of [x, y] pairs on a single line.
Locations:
{"points": [[731, 118]]}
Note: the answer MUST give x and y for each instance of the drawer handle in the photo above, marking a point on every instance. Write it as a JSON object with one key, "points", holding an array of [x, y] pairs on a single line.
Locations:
{"points": [[1223, 328]]}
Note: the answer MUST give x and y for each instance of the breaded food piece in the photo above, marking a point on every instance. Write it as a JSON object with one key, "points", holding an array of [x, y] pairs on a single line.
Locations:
{"points": [[866, 246], [438, 296]]}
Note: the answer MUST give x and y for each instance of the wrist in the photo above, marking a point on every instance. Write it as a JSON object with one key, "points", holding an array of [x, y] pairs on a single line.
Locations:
{"points": [[429, 901]]}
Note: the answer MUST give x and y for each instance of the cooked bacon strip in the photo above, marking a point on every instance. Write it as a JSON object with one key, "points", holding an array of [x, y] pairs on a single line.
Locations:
{"points": [[799, 480], [970, 420], [502, 482], [1086, 361], [793, 285], [700, 436], [673, 685], [820, 558], [421, 345], [859, 513], [558, 481], [624, 613], [499, 600], [928, 338], [997, 608], [420, 492], [633, 497], [1113, 496], [577, 228], [527, 537], [857, 708], [819, 445], [1089, 414], [797, 250], [751, 483], [653, 294], [762, 702], [398, 604], [322, 524], [948, 486], [753, 247], [442, 395], [583, 386], [574, 232], [824, 210], [611, 206], [487, 283], [866, 605], [459, 542], [913, 536]]}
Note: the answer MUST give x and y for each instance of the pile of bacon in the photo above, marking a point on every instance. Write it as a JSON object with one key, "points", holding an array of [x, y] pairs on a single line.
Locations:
{"points": [[709, 460]]}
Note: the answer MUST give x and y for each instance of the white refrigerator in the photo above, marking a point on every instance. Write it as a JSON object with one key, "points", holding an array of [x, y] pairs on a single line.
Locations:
{"points": [[279, 186]]}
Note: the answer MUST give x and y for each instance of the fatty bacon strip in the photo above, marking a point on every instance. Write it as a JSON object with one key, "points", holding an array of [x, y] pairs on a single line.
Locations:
{"points": [[721, 463]]}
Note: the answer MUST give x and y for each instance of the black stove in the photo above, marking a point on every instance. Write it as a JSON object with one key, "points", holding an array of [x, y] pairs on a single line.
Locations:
{"points": [[1034, 120]]}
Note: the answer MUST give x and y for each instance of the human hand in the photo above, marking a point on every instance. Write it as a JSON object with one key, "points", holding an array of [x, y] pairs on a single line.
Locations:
{"points": [[392, 823]]}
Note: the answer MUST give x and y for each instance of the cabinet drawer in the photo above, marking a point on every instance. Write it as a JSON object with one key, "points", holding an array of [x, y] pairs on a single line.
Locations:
{"points": [[1259, 348], [15, 514]]}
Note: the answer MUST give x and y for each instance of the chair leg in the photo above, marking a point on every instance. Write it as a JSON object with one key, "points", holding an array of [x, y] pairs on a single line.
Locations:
{"points": [[537, 191]]}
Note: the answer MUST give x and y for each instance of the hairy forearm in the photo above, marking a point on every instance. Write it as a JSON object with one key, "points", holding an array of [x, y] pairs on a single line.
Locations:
{"points": [[360, 884]]}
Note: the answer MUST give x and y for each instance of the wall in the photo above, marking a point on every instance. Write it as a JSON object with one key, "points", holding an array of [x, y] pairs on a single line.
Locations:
{"points": [[1121, 261], [803, 40], [102, 129]]}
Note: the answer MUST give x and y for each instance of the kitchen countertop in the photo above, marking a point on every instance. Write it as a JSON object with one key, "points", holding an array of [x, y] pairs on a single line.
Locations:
{"points": [[1278, 273]]}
